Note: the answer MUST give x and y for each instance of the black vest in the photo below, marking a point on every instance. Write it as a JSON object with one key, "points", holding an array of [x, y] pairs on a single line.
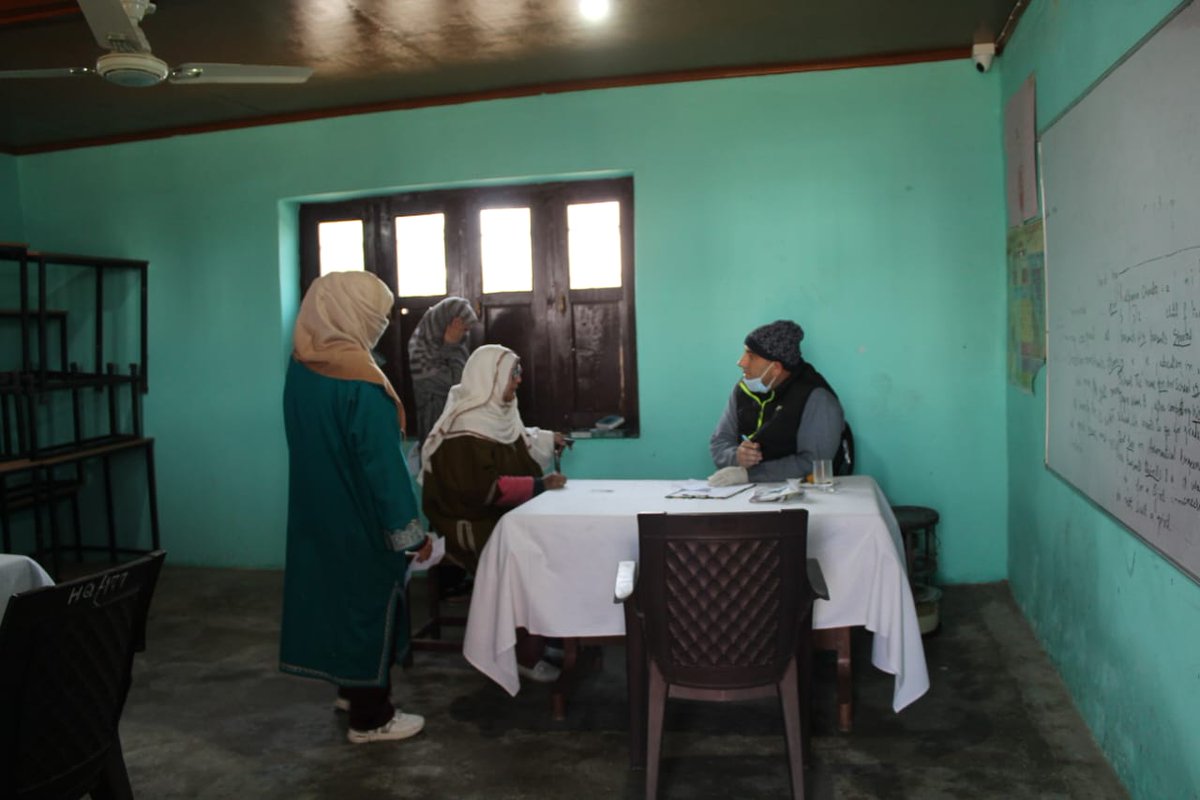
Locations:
{"points": [[781, 414]]}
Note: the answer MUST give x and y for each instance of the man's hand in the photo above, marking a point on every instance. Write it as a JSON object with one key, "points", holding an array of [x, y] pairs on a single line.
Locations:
{"points": [[555, 480], [748, 454]]}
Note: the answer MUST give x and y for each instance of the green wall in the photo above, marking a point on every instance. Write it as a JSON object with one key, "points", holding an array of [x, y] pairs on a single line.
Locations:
{"points": [[1118, 620], [10, 205], [866, 204]]}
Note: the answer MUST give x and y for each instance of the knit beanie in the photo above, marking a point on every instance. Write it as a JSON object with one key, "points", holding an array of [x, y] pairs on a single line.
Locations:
{"points": [[778, 341]]}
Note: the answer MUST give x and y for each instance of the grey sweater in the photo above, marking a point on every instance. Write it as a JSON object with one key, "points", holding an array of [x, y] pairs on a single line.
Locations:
{"points": [[818, 436]]}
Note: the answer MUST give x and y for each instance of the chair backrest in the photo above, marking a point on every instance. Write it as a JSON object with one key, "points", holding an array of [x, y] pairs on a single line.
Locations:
{"points": [[723, 596], [843, 459], [65, 657]]}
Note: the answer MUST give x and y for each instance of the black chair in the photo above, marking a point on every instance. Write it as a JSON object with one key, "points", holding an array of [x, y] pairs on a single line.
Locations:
{"points": [[65, 657], [722, 610]]}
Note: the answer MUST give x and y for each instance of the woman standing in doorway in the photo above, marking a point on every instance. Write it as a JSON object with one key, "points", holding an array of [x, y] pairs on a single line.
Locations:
{"points": [[437, 352]]}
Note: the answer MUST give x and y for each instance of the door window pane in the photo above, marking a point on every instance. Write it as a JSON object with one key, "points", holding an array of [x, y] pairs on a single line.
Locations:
{"points": [[421, 255], [594, 245], [521, 241], [506, 250], [341, 245]]}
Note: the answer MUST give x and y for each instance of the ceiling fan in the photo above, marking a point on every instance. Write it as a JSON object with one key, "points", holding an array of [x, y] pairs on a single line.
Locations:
{"points": [[129, 62]]}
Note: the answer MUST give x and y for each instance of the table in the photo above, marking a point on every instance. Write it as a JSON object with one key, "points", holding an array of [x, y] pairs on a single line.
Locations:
{"points": [[551, 563], [19, 574]]}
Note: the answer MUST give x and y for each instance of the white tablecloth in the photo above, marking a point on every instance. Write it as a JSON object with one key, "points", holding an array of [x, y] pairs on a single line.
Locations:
{"points": [[19, 574], [551, 564]]}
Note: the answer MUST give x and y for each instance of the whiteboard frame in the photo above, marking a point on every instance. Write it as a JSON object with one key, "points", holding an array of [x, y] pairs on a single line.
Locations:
{"points": [[1048, 272]]}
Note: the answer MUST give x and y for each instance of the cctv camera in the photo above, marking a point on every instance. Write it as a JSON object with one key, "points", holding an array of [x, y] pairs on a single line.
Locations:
{"points": [[982, 54]]}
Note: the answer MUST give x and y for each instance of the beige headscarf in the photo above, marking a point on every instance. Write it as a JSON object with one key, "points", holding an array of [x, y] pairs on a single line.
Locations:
{"points": [[341, 319], [476, 407]]}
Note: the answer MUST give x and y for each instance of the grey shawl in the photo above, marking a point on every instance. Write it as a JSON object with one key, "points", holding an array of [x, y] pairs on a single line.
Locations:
{"points": [[434, 365]]}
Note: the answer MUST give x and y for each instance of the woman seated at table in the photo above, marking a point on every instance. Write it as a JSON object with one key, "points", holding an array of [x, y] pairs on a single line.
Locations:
{"points": [[479, 461]]}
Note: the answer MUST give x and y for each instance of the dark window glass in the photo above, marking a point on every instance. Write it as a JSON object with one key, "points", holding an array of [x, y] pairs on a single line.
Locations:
{"points": [[549, 268]]}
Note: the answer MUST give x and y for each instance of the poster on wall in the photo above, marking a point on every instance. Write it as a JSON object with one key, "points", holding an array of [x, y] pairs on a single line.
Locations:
{"points": [[1026, 303], [1020, 154]]}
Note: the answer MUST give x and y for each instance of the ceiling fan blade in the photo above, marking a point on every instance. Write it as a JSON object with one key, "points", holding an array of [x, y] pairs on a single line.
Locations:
{"points": [[60, 72], [112, 26], [238, 73]]}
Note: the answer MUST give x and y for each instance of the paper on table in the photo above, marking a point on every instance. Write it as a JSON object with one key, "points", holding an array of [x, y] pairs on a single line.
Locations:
{"points": [[435, 557], [774, 494], [702, 489]]}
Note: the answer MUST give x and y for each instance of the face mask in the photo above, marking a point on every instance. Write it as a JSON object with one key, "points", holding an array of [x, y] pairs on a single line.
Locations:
{"points": [[756, 385]]}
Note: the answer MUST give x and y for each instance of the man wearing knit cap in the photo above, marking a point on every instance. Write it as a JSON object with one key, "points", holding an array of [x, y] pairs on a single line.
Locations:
{"points": [[781, 416]]}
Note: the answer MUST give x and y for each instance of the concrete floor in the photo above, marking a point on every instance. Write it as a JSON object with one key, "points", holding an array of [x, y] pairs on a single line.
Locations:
{"points": [[209, 716]]}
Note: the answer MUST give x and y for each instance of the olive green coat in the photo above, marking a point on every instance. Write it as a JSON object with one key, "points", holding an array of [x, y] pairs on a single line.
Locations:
{"points": [[460, 486]]}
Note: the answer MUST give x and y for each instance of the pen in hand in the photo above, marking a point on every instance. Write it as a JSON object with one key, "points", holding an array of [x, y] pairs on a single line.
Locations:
{"points": [[749, 452], [567, 441]]}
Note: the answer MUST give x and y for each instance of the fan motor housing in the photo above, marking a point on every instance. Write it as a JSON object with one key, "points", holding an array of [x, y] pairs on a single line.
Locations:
{"points": [[132, 69]]}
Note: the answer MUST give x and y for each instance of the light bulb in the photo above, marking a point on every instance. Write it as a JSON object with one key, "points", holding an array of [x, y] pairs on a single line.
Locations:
{"points": [[594, 10]]}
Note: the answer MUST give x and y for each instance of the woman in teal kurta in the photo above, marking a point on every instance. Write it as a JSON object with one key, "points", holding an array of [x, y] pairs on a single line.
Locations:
{"points": [[348, 491]]}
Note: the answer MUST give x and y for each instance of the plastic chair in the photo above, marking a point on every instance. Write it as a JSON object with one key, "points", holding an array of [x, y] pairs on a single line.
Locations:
{"points": [[65, 657], [722, 610]]}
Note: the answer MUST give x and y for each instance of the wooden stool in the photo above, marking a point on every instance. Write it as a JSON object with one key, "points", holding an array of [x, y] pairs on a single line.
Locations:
{"points": [[918, 528], [427, 635]]}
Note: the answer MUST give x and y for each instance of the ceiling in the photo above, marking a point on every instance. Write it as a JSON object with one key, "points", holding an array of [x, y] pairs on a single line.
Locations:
{"points": [[370, 55]]}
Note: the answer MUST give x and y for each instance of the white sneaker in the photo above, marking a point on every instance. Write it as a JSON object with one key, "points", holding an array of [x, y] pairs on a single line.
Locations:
{"points": [[541, 672], [554, 654], [341, 704], [401, 726]]}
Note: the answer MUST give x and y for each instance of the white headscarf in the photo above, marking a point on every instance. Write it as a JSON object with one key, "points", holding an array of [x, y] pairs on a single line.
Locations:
{"points": [[476, 407], [341, 318]]}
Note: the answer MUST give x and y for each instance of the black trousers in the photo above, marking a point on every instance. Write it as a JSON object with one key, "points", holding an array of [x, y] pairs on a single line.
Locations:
{"points": [[370, 706]]}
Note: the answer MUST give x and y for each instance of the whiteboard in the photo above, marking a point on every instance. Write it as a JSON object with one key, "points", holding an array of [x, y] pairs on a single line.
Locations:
{"points": [[1121, 184]]}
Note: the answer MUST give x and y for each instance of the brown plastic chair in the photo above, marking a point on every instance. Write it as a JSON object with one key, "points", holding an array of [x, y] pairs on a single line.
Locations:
{"points": [[722, 610], [66, 652]]}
